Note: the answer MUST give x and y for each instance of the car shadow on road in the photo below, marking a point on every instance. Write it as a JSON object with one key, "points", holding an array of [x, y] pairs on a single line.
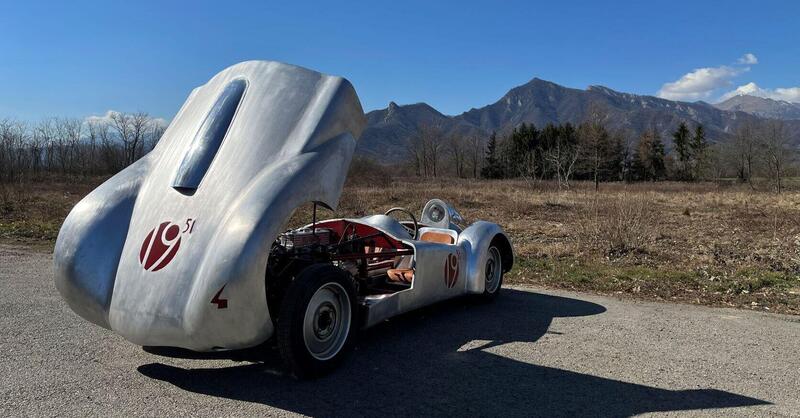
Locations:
{"points": [[439, 361]]}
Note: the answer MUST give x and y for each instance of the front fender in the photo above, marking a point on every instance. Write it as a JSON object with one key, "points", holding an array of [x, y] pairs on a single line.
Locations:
{"points": [[476, 240], [90, 243], [238, 258]]}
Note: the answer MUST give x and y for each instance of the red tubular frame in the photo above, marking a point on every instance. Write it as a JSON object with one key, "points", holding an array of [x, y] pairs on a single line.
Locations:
{"points": [[381, 255]]}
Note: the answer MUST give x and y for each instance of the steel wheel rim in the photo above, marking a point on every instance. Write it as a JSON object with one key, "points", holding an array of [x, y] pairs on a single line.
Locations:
{"points": [[493, 270], [327, 321]]}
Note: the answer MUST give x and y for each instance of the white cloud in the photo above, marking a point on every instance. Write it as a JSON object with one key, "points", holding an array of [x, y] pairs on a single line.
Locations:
{"points": [[749, 89], [101, 118], [110, 113], [700, 83], [748, 58], [789, 94]]}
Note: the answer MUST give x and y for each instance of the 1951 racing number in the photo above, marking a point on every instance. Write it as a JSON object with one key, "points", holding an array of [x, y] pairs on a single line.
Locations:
{"points": [[162, 243]]}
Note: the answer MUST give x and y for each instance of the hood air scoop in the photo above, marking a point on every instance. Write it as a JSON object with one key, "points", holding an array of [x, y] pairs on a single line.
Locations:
{"points": [[208, 139]]}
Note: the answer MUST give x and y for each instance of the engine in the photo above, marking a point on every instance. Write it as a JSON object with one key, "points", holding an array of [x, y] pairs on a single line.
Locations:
{"points": [[305, 237]]}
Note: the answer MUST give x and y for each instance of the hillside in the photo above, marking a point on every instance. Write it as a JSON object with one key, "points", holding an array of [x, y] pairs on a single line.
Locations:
{"points": [[759, 106], [389, 130], [541, 102]]}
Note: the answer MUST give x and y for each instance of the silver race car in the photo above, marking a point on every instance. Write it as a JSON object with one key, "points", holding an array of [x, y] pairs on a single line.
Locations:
{"points": [[185, 247]]}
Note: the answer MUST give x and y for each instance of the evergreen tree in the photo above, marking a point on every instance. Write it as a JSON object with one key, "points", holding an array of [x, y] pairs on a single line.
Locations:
{"points": [[492, 169], [699, 150], [682, 147], [518, 153], [651, 156], [616, 155], [630, 164], [657, 155]]}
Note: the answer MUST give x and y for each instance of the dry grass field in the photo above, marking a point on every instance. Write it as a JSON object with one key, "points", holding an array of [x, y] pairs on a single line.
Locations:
{"points": [[698, 243]]}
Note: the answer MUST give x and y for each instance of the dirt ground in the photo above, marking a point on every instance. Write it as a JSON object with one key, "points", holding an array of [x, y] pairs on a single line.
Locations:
{"points": [[704, 243]]}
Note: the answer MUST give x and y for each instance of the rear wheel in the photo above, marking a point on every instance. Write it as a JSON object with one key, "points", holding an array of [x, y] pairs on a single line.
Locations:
{"points": [[493, 273], [317, 321]]}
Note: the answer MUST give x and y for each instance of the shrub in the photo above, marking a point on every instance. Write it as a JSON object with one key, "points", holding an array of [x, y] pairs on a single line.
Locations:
{"points": [[615, 224]]}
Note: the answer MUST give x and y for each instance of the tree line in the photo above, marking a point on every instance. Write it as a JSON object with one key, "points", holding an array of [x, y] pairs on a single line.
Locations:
{"points": [[759, 150], [77, 147], [590, 151]]}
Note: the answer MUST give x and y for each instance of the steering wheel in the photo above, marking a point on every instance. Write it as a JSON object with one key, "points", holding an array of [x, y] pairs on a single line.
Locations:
{"points": [[413, 232]]}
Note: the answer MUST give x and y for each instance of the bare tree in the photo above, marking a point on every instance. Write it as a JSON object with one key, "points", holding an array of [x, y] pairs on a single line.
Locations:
{"points": [[157, 131], [425, 150], [35, 150], [122, 126], [113, 152], [434, 143], [745, 145], [457, 149], [70, 146], [13, 158], [417, 153], [475, 154], [142, 130], [595, 140], [562, 156], [136, 132], [68, 134], [717, 160], [98, 138], [777, 152]]}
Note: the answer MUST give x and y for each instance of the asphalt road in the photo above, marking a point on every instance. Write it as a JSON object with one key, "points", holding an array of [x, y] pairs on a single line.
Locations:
{"points": [[533, 352]]}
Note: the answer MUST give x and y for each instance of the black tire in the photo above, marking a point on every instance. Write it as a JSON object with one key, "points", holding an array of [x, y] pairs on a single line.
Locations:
{"points": [[331, 289], [493, 268]]}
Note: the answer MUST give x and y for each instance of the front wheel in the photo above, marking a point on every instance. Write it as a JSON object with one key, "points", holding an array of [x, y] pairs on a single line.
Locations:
{"points": [[493, 274], [317, 321]]}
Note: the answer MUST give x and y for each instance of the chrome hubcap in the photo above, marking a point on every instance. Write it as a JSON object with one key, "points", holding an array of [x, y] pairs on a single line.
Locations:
{"points": [[327, 321], [493, 270]]}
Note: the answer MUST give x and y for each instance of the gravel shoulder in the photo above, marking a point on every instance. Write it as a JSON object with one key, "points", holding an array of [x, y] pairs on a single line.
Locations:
{"points": [[533, 352]]}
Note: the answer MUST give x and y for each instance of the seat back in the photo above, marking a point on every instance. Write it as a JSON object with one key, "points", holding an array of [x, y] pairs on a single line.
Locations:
{"points": [[439, 235]]}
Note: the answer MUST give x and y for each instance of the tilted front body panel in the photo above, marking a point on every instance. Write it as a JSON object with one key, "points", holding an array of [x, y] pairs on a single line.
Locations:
{"points": [[246, 149]]}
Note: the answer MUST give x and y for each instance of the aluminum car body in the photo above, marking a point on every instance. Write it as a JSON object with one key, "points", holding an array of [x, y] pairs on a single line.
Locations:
{"points": [[430, 284], [212, 218]]}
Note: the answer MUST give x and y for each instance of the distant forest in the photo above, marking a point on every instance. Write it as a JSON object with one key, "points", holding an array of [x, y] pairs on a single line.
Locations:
{"points": [[589, 151], [561, 153], [75, 147]]}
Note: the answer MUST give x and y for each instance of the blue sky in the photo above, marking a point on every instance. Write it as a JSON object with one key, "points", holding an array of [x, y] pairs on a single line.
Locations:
{"points": [[82, 58]]}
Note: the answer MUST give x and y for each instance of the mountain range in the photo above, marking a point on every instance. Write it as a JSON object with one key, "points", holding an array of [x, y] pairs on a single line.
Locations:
{"points": [[540, 102], [766, 108]]}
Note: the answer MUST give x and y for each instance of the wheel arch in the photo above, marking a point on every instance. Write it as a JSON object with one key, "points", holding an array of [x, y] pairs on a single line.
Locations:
{"points": [[476, 240], [503, 244]]}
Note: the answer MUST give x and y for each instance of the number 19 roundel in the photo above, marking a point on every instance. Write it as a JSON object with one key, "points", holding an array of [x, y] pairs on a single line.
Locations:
{"points": [[451, 270], [160, 246]]}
